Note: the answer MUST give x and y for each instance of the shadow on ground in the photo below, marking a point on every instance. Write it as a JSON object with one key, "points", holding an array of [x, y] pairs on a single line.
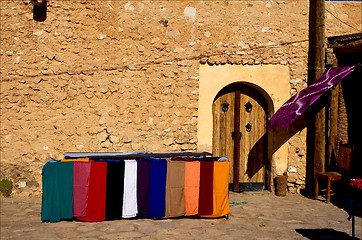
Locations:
{"points": [[324, 234]]}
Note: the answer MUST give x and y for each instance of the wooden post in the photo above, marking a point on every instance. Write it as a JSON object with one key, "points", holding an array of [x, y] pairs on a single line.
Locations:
{"points": [[316, 148], [333, 125], [236, 141], [333, 120]]}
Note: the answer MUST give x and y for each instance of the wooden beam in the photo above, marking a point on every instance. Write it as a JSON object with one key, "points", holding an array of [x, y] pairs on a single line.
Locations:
{"points": [[316, 66], [236, 141]]}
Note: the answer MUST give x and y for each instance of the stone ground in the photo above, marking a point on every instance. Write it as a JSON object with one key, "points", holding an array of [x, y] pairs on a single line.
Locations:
{"points": [[261, 216]]}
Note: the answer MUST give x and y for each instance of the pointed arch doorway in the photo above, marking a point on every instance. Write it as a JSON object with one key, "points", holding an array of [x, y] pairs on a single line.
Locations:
{"points": [[239, 132]]}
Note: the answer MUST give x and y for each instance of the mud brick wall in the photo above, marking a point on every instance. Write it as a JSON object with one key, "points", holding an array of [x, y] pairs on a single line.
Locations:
{"points": [[123, 75]]}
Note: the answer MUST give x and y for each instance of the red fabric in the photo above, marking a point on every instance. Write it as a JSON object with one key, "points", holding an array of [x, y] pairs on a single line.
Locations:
{"points": [[96, 193], [206, 188], [356, 183], [81, 171]]}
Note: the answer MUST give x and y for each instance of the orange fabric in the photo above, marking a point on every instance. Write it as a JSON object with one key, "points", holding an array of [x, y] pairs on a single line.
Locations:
{"points": [[76, 160], [220, 190], [192, 185]]}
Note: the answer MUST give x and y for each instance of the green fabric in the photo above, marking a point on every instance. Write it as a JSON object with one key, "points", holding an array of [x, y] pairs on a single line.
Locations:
{"points": [[57, 199], [236, 203]]}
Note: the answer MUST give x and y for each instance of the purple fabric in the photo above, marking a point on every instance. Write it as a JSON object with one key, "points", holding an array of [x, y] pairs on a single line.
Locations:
{"points": [[81, 173], [300, 102], [143, 182]]}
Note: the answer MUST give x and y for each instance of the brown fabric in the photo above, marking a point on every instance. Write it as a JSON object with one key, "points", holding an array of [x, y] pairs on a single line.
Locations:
{"points": [[175, 189]]}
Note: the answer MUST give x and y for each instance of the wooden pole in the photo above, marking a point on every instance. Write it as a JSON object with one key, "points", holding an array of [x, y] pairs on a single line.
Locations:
{"points": [[333, 120], [333, 126], [236, 141], [316, 148]]}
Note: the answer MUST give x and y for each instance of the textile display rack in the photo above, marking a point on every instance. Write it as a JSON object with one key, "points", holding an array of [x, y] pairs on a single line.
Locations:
{"points": [[108, 186]]}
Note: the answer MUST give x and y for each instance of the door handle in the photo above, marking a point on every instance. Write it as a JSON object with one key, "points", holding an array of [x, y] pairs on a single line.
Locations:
{"points": [[233, 135]]}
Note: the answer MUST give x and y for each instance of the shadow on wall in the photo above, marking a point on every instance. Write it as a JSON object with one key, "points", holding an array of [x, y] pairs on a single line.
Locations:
{"points": [[273, 140], [351, 87], [324, 233], [255, 162], [278, 137]]}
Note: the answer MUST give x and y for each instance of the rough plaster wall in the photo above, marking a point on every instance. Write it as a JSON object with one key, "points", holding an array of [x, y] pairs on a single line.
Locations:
{"points": [[116, 76], [342, 135]]}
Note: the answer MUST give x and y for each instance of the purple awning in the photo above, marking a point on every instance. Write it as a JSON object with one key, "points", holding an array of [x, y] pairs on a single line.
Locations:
{"points": [[300, 102]]}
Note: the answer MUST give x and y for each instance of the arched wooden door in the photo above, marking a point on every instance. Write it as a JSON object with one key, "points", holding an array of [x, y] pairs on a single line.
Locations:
{"points": [[239, 133]]}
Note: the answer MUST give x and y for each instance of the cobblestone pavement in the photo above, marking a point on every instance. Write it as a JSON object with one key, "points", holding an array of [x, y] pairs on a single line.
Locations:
{"points": [[253, 216]]}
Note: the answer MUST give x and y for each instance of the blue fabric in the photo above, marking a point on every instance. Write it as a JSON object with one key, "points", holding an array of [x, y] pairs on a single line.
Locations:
{"points": [[157, 188], [352, 204], [108, 160], [223, 159]]}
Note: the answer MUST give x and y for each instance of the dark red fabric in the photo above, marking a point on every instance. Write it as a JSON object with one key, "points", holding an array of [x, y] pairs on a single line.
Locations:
{"points": [[184, 159], [356, 183], [206, 188], [96, 193]]}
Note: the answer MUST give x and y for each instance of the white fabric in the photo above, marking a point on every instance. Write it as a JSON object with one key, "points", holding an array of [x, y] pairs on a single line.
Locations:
{"points": [[129, 209]]}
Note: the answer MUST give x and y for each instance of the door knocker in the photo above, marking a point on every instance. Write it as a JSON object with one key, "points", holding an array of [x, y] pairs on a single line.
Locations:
{"points": [[248, 107], [248, 127], [225, 106]]}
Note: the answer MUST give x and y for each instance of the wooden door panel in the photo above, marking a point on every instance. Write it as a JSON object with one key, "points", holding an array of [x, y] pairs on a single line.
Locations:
{"points": [[252, 151], [223, 122], [253, 142]]}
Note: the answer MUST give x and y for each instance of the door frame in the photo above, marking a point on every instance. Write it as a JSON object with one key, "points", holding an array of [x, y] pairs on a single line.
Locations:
{"points": [[273, 81]]}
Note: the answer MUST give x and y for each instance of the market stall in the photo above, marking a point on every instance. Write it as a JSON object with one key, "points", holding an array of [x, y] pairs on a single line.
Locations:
{"points": [[109, 186]]}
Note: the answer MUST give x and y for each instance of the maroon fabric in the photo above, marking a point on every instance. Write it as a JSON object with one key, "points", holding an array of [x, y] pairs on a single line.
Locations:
{"points": [[206, 188], [184, 159], [96, 193]]}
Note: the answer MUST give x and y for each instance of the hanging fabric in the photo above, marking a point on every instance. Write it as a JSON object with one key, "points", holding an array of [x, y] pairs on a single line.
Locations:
{"points": [[130, 189], [157, 190], [192, 187], [97, 192], [143, 182], [206, 187], [220, 189], [57, 199], [175, 189], [81, 174], [114, 189], [300, 102], [75, 160]]}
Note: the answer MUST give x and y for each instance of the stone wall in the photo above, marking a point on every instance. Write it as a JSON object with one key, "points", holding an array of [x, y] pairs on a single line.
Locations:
{"points": [[123, 76]]}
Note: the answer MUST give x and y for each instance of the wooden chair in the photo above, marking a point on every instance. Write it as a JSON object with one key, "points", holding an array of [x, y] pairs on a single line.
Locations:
{"points": [[343, 165]]}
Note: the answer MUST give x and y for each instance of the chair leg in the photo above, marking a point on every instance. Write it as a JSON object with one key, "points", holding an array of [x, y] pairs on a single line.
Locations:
{"points": [[353, 227], [316, 188], [328, 190]]}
